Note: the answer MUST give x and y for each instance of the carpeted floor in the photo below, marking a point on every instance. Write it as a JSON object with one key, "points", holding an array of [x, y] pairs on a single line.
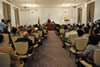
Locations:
{"points": [[51, 54]]}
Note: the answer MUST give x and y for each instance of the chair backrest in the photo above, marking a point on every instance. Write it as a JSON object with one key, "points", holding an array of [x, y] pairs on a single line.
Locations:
{"points": [[4, 60], [21, 47], [61, 31], [57, 28], [81, 44], [21, 33], [97, 57], [32, 38], [44, 30], [86, 35], [6, 37], [72, 38], [36, 34], [40, 33], [14, 38]]}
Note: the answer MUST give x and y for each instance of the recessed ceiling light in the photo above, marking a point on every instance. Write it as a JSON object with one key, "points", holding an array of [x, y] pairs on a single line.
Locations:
{"points": [[68, 5], [30, 5]]}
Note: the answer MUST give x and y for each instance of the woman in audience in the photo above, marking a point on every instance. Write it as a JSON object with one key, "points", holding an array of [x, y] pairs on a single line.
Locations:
{"points": [[6, 49]]}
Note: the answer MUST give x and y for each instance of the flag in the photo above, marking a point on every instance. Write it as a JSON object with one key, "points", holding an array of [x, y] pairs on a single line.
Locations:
{"points": [[38, 21]]}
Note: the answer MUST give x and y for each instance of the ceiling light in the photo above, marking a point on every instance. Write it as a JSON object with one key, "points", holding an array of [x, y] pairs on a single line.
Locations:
{"points": [[30, 5], [68, 5], [65, 10]]}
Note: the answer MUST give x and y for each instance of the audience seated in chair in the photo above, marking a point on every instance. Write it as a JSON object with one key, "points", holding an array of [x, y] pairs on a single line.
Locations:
{"points": [[69, 32], [30, 32], [89, 51], [94, 36], [3, 26], [26, 38], [14, 31], [80, 36], [6, 49]]}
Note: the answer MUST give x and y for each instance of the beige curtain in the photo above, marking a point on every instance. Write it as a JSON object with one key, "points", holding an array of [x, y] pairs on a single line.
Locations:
{"points": [[80, 15], [7, 12], [17, 17], [90, 12], [79, 20], [88, 6]]}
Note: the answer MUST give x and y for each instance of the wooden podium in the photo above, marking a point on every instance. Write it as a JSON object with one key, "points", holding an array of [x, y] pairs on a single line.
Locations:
{"points": [[51, 26]]}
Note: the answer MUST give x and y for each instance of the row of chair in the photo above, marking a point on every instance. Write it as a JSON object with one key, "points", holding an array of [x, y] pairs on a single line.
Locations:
{"points": [[21, 48], [80, 46]]}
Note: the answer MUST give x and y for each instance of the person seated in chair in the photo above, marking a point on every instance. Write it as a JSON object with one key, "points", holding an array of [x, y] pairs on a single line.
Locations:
{"points": [[29, 31], [14, 31], [5, 49], [80, 36], [86, 32], [89, 51], [3, 26], [26, 38], [93, 36]]}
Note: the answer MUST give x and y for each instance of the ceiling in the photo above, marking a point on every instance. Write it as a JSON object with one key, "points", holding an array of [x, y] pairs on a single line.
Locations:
{"points": [[46, 3]]}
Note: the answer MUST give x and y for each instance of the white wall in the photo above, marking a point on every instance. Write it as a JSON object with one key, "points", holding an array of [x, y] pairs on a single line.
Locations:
{"points": [[1, 10], [12, 11], [84, 11], [97, 9], [55, 14], [29, 17]]}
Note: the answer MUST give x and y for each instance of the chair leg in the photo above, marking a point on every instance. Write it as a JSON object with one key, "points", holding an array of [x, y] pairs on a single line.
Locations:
{"points": [[70, 53], [76, 58]]}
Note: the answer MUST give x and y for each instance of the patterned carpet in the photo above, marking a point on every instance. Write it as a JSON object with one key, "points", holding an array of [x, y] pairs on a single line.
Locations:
{"points": [[51, 54]]}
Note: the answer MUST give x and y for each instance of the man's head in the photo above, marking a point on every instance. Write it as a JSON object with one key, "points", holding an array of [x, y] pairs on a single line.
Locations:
{"points": [[86, 30], [1, 38], [96, 31], [8, 21], [29, 30], [80, 33], [25, 34], [3, 20]]}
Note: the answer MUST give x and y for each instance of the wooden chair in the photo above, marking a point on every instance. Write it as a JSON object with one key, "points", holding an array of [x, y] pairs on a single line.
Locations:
{"points": [[7, 41], [45, 33], [22, 49], [61, 33], [72, 40], [96, 58], [5, 60], [37, 36], [80, 46]]}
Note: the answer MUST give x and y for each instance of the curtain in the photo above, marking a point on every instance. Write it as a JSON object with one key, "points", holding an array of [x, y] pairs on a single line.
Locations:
{"points": [[79, 20], [90, 13], [17, 20], [80, 15], [7, 12]]}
